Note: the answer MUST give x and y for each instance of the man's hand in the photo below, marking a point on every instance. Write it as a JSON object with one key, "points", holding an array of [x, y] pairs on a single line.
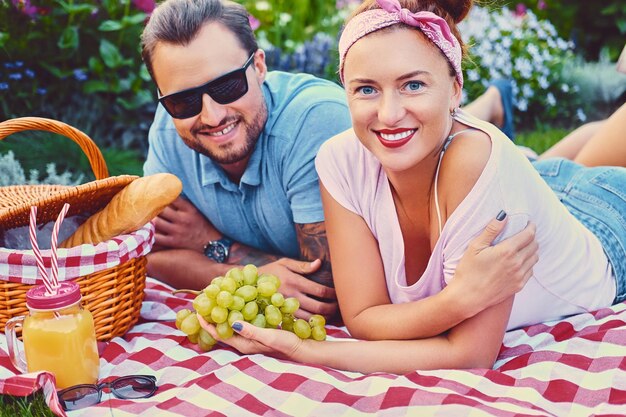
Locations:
{"points": [[488, 275], [314, 298], [181, 226]]}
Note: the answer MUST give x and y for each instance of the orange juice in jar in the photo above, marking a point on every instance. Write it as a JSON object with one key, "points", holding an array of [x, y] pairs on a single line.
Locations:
{"points": [[59, 337]]}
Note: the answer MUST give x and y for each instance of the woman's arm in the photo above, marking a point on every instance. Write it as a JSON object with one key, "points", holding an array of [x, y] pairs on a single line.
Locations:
{"points": [[474, 343], [486, 276]]}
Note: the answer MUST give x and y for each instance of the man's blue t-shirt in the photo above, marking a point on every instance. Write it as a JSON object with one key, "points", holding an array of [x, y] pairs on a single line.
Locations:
{"points": [[279, 186]]}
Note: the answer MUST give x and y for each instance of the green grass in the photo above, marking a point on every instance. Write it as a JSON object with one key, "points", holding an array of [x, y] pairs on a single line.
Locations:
{"points": [[34, 150], [33, 405], [542, 138]]}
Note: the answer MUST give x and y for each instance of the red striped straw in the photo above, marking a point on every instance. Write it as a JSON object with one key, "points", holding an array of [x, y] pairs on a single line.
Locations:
{"points": [[33, 241], [53, 247]]}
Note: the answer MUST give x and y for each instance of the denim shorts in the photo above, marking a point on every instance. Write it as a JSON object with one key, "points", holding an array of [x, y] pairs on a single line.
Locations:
{"points": [[597, 198]]}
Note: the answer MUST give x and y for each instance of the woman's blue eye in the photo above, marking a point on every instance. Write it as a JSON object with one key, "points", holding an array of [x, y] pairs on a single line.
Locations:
{"points": [[366, 90], [414, 85]]}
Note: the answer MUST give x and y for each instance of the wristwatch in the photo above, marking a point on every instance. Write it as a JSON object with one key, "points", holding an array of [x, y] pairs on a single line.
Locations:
{"points": [[218, 250]]}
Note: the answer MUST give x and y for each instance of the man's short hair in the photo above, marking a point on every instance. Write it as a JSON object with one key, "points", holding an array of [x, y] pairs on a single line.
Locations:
{"points": [[179, 21]]}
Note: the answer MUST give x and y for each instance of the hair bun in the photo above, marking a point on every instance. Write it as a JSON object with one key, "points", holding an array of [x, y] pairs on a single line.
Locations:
{"points": [[457, 9]]}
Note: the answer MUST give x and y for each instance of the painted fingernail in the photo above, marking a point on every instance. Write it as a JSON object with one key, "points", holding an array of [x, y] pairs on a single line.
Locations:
{"points": [[501, 215], [237, 326]]}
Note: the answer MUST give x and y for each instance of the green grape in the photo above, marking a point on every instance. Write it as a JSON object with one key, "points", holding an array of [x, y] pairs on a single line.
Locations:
{"points": [[205, 337], [190, 325], [217, 281], [219, 314], [318, 333], [317, 320], [250, 310], [250, 274], [193, 338], [238, 303], [277, 299], [269, 278], [212, 290], [180, 316], [228, 284], [234, 316], [203, 304], [205, 347], [290, 306], [247, 292], [224, 330], [287, 323], [237, 275], [224, 299], [302, 329], [266, 288], [263, 302], [273, 315], [259, 321]]}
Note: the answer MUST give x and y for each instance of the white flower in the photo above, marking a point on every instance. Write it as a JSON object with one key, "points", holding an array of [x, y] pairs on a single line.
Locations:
{"points": [[522, 104], [581, 115], [550, 99]]}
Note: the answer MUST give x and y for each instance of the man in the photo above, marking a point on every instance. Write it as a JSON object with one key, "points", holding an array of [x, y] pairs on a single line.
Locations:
{"points": [[243, 142]]}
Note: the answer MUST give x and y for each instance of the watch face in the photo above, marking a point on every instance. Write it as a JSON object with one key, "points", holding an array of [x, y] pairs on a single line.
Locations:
{"points": [[217, 251]]}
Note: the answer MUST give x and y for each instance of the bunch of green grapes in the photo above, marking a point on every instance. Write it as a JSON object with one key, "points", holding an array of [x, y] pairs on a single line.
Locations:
{"points": [[244, 295]]}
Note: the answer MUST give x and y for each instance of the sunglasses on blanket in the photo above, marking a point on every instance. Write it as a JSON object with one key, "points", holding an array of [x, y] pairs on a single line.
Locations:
{"points": [[224, 90], [125, 387]]}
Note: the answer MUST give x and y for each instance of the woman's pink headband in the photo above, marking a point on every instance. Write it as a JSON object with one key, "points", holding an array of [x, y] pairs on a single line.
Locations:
{"points": [[391, 13]]}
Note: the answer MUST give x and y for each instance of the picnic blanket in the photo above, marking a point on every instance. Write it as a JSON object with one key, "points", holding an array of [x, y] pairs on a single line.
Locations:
{"points": [[574, 367]]}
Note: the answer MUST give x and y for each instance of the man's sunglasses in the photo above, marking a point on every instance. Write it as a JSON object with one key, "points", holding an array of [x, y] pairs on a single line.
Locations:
{"points": [[225, 89], [125, 387]]}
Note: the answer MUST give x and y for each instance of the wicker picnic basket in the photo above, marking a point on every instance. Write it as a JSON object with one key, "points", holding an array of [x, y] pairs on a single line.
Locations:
{"points": [[113, 295]]}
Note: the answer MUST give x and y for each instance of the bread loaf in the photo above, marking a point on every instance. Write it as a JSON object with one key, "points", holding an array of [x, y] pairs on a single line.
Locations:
{"points": [[130, 209]]}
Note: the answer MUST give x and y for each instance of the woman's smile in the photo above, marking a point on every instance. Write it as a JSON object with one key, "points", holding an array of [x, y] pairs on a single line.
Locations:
{"points": [[394, 138]]}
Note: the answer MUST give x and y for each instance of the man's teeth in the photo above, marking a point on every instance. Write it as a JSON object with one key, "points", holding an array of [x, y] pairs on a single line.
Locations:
{"points": [[224, 131], [397, 136]]}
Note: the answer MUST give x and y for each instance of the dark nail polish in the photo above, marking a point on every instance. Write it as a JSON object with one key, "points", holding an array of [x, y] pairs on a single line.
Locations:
{"points": [[237, 326], [501, 215]]}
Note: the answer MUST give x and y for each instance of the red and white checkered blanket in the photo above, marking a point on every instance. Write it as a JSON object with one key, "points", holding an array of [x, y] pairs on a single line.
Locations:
{"points": [[575, 367]]}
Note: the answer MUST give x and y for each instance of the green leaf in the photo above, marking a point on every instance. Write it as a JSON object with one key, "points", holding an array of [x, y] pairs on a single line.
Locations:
{"points": [[95, 86], [136, 19], [4, 37], [69, 38], [110, 54], [95, 65], [110, 26]]}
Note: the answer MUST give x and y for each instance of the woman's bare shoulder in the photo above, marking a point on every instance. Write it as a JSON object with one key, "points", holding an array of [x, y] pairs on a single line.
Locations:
{"points": [[463, 163]]}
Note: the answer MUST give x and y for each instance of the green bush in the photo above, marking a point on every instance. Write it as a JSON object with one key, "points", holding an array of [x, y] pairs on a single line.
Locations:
{"points": [[65, 55], [592, 25]]}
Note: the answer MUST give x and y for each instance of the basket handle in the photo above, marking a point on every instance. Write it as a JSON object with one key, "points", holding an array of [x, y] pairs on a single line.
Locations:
{"points": [[98, 165]]}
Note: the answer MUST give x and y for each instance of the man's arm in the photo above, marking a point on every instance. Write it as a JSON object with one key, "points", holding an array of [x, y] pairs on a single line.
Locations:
{"points": [[314, 245]]}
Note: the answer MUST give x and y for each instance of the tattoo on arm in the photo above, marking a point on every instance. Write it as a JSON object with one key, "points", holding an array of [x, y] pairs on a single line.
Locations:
{"points": [[314, 245]]}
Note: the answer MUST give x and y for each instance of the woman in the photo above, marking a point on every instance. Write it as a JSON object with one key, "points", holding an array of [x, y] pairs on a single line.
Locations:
{"points": [[413, 183]]}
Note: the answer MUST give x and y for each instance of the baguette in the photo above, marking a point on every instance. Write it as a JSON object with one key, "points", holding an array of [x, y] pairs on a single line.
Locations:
{"points": [[131, 208]]}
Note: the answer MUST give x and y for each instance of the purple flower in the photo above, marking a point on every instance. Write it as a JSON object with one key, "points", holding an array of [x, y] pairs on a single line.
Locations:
{"points": [[541, 4], [80, 75], [4, 86], [254, 22], [15, 76], [146, 6], [520, 10], [26, 8]]}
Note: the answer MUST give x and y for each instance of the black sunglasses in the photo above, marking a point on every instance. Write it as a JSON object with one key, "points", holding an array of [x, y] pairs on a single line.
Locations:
{"points": [[125, 387], [225, 89]]}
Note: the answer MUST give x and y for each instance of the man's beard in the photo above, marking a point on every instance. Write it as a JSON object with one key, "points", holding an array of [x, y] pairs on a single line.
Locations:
{"points": [[227, 154]]}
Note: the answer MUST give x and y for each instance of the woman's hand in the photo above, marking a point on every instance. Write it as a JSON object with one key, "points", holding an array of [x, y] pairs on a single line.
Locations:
{"points": [[250, 339], [488, 275]]}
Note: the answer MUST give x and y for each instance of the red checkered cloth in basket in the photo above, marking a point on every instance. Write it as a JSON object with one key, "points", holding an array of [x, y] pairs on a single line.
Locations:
{"points": [[573, 367], [21, 265]]}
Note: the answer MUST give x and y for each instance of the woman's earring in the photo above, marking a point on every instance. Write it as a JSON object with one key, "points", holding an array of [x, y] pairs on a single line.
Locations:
{"points": [[453, 112]]}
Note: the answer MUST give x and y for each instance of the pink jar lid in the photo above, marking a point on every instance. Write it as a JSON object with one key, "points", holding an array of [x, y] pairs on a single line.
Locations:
{"points": [[67, 294]]}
